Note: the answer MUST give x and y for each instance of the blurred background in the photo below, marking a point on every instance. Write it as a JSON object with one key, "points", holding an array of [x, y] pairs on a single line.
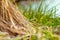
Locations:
{"points": [[50, 3]]}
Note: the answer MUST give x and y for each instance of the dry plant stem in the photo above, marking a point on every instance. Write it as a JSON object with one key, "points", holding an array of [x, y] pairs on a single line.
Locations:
{"points": [[11, 20]]}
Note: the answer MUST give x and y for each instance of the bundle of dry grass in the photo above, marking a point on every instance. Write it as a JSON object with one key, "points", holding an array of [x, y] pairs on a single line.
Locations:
{"points": [[11, 20]]}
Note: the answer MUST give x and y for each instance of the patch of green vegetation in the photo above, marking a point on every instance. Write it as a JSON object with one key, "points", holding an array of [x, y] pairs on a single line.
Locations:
{"points": [[40, 15]]}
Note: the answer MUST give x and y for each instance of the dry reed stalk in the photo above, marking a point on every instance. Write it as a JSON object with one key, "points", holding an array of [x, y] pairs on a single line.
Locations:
{"points": [[11, 20]]}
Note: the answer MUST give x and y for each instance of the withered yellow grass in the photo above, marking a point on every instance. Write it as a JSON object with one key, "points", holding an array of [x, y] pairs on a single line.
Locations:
{"points": [[12, 21]]}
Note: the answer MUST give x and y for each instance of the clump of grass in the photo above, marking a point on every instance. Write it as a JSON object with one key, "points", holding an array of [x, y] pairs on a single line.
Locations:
{"points": [[11, 16], [41, 15], [12, 21]]}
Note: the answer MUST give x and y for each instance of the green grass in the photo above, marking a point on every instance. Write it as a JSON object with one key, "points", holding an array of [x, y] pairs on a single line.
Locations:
{"points": [[40, 15]]}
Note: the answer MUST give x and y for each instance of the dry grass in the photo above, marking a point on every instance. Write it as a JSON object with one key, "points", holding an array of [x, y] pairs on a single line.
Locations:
{"points": [[12, 21]]}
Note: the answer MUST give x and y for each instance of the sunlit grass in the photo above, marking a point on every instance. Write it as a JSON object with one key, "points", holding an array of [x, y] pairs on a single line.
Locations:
{"points": [[43, 21], [41, 15]]}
